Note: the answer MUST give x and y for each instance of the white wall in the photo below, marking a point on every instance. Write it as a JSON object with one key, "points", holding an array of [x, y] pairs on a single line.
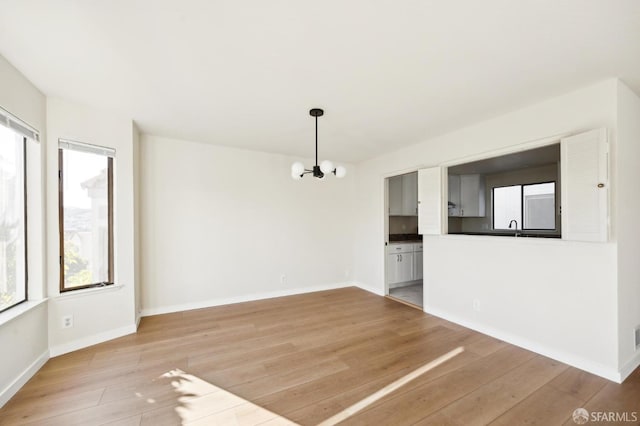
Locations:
{"points": [[628, 174], [99, 314], [223, 224], [566, 309], [23, 338], [24, 350]]}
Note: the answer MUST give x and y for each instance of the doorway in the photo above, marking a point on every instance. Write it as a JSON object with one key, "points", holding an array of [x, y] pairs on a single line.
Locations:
{"points": [[403, 244]]}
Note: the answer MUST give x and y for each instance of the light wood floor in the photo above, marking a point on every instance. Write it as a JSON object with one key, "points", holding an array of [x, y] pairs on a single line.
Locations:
{"points": [[304, 359]]}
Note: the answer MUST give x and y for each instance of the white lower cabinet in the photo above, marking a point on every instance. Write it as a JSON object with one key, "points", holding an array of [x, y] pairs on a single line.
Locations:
{"points": [[404, 263], [405, 267], [399, 268], [417, 262]]}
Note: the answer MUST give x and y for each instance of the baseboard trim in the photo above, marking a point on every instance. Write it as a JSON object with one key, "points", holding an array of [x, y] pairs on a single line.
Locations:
{"points": [[629, 367], [561, 356], [369, 289], [91, 340], [8, 392], [239, 299]]}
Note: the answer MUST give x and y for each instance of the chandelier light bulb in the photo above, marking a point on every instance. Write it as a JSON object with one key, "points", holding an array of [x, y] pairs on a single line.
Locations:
{"points": [[326, 166], [297, 168], [341, 172]]}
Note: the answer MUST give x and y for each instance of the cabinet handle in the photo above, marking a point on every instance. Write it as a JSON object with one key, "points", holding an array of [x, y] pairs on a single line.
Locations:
{"points": [[601, 185], [400, 258]]}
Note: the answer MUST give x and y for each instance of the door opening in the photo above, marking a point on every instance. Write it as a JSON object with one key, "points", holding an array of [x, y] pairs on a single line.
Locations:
{"points": [[403, 244]]}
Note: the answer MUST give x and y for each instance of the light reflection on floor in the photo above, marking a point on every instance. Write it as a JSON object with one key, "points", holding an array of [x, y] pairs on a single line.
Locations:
{"points": [[364, 403], [202, 403]]}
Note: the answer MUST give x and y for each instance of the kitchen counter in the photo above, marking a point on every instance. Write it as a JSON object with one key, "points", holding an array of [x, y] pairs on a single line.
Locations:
{"points": [[405, 238], [509, 234]]}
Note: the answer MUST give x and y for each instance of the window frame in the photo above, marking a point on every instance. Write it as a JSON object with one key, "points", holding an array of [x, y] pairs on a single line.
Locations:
{"points": [[26, 236], [522, 228], [110, 243]]}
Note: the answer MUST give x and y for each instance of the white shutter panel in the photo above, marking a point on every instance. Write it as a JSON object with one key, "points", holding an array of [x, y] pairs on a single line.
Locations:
{"points": [[430, 201], [585, 186]]}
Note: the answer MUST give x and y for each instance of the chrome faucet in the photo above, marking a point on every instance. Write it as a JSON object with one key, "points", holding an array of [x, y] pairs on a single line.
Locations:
{"points": [[511, 223]]}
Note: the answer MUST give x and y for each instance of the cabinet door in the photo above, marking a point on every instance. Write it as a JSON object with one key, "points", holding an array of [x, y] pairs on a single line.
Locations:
{"points": [[417, 265], [430, 208], [395, 196], [393, 264], [454, 195], [405, 267], [410, 194], [472, 195], [585, 186]]}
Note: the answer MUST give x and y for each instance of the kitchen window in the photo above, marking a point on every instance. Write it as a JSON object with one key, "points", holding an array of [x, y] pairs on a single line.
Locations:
{"points": [[86, 215], [525, 207], [13, 230]]}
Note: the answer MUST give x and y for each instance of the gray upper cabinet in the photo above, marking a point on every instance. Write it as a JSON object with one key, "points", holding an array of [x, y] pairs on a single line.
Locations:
{"points": [[454, 195], [395, 196], [410, 194], [467, 194], [403, 195]]}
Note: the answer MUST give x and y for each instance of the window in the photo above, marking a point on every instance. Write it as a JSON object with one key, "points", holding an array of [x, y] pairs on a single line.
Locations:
{"points": [[527, 207], [507, 206], [86, 215], [13, 232]]}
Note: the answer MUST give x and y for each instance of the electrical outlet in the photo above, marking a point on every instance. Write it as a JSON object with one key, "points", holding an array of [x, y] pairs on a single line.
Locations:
{"points": [[637, 336], [346, 273], [67, 321], [476, 305], [283, 279]]}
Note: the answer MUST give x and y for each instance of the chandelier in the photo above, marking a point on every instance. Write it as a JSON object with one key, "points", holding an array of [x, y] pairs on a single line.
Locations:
{"points": [[298, 170]]}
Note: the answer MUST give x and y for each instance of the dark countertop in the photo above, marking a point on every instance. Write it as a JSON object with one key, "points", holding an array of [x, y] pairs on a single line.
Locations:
{"points": [[509, 234], [405, 238]]}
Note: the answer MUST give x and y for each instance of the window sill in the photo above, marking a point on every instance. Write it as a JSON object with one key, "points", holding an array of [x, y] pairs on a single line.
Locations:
{"points": [[18, 310], [88, 292]]}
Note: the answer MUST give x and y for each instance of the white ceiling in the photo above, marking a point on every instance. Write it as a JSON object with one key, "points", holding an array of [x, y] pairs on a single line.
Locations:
{"points": [[389, 73]]}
